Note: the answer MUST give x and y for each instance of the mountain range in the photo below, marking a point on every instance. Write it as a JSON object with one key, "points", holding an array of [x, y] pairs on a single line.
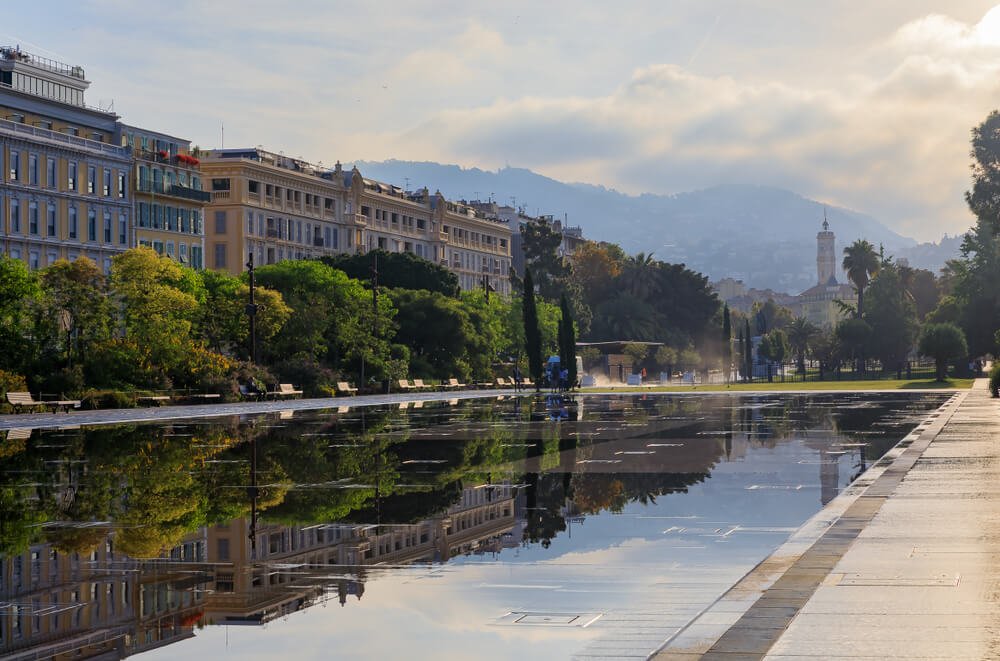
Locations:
{"points": [[764, 236]]}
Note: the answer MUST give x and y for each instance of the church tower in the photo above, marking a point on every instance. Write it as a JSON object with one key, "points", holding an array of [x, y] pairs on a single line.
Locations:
{"points": [[826, 258]]}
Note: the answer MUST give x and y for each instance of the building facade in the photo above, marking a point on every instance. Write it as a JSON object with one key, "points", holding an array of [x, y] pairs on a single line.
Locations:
{"points": [[819, 304], [65, 185], [168, 195], [272, 206]]}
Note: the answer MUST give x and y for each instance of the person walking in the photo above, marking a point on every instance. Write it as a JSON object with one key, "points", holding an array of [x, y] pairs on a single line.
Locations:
{"points": [[517, 378]]}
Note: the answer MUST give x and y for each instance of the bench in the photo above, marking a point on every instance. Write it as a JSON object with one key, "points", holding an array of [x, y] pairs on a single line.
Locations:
{"points": [[250, 392], [345, 388], [20, 400], [405, 385], [502, 382], [284, 390], [420, 385], [152, 400], [453, 383], [197, 396]]}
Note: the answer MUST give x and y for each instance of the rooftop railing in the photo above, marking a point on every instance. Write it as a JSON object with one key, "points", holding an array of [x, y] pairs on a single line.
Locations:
{"points": [[18, 55], [56, 136]]}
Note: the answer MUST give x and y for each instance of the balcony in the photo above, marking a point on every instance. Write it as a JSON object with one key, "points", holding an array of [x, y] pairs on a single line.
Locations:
{"points": [[220, 195], [55, 137], [318, 242], [174, 190], [272, 233]]}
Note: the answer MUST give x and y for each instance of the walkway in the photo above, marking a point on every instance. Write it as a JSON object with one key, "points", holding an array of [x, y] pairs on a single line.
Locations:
{"points": [[156, 413], [904, 565]]}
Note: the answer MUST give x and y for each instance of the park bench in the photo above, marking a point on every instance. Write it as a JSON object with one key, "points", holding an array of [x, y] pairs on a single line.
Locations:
{"points": [[453, 383], [502, 382], [345, 388], [420, 385], [248, 392], [202, 396], [20, 400], [404, 384], [284, 390], [152, 400]]}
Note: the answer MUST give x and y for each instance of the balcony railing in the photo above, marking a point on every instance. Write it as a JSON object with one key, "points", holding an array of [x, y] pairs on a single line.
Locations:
{"points": [[174, 190], [62, 138]]}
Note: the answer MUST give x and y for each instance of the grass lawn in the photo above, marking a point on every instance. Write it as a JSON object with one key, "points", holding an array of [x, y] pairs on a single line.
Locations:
{"points": [[889, 384]]}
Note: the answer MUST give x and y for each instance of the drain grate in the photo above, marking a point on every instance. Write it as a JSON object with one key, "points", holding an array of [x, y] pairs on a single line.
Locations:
{"points": [[539, 619]]}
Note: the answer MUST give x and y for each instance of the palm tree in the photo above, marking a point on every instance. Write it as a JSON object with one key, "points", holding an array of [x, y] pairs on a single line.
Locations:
{"points": [[800, 334], [639, 275], [861, 261]]}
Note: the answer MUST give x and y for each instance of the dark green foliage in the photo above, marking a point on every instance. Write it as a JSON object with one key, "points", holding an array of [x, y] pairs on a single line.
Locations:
{"points": [[943, 342], [995, 380], [727, 344], [861, 262], [397, 270], [567, 341], [893, 319], [532, 334], [438, 331], [540, 243]]}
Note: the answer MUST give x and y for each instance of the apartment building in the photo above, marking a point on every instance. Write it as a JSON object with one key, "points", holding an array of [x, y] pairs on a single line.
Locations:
{"points": [[271, 205], [65, 186], [471, 243], [168, 195]]}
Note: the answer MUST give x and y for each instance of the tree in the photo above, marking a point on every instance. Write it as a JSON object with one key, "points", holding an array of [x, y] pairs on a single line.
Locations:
{"points": [[853, 334], [567, 342], [942, 342], [77, 293], [727, 347], [861, 262], [984, 198], [532, 336], [800, 333], [18, 288], [774, 347], [540, 243], [222, 320], [748, 353], [438, 332], [892, 317], [397, 270], [595, 266]]}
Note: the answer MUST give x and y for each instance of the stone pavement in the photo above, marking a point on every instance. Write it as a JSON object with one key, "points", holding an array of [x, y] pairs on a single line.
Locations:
{"points": [[905, 564]]}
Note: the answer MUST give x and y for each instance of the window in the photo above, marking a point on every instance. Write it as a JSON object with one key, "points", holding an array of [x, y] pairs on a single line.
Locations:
{"points": [[143, 214], [72, 130], [220, 255], [50, 172], [32, 217], [91, 225], [91, 179], [106, 190], [220, 184], [15, 215], [107, 227], [50, 220], [71, 175], [121, 184], [33, 169], [253, 187], [158, 247], [122, 229], [250, 223], [223, 548], [15, 165], [72, 223], [220, 221], [421, 223], [170, 249]]}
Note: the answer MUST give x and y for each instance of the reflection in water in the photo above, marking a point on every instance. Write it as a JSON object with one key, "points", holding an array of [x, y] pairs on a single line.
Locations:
{"points": [[118, 540]]}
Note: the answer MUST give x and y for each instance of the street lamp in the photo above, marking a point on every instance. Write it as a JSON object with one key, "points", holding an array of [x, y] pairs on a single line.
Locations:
{"points": [[251, 309]]}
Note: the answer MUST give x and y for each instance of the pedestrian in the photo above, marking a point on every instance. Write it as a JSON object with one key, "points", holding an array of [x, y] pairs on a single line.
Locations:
{"points": [[564, 379], [517, 378]]}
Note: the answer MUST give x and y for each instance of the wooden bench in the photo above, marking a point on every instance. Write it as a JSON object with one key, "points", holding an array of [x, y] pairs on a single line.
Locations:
{"points": [[152, 400], [20, 400], [405, 385], [453, 383], [198, 396], [420, 385], [284, 390], [345, 388], [250, 392]]}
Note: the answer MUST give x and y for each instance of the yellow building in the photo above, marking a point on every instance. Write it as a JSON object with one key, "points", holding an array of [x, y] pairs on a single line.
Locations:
{"points": [[64, 179], [168, 195], [274, 206]]}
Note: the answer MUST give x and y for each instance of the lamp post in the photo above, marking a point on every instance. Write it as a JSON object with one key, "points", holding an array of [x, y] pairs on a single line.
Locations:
{"points": [[251, 310]]}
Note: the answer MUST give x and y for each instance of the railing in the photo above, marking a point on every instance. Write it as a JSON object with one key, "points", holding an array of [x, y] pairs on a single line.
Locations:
{"points": [[56, 136], [175, 190], [220, 195], [17, 55]]}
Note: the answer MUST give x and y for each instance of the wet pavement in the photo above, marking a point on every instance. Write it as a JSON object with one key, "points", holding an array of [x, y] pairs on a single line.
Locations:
{"points": [[903, 565]]}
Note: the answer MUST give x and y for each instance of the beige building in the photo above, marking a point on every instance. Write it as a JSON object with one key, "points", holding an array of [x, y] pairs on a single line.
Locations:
{"points": [[473, 244], [273, 206], [819, 304], [168, 195], [65, 186]]}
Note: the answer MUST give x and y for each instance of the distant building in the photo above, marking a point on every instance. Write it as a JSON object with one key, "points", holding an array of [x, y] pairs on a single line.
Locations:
{"points": [[728, 288], [819, 304]]}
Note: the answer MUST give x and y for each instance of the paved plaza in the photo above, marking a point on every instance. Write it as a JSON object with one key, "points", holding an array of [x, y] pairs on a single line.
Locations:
{"points": [[903, 565]]}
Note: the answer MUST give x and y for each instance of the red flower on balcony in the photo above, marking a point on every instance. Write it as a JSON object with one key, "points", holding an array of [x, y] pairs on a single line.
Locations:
{"points": [[162, 153]]}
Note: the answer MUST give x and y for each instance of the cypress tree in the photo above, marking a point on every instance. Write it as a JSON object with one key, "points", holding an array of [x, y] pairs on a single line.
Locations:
{"points": [[741, 350], [567, 341], [532, 334], [727, 347], [748, 353]]}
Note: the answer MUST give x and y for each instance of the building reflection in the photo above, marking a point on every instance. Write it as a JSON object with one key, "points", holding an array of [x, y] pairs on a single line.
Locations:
{"points": [[106, 605]]}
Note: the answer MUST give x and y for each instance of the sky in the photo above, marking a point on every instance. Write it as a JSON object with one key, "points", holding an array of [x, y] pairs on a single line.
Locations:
{"points": [[859, 104]]}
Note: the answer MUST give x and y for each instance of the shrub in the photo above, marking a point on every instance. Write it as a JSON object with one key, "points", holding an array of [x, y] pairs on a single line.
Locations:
{"points": [[306, 374], [9, 381], [204, 370], [123, 363], [106, 399], [995, 379], [68, 381]]}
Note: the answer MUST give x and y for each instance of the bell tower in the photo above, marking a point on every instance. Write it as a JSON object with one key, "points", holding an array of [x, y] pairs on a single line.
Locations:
{"points": [[826, 258]]}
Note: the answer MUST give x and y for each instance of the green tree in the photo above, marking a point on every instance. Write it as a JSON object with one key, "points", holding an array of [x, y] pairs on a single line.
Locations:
{"points": [[437, 330], [19, 287], [567, 341], [222, 320], [540, 242], [800, 334], [77, 292], [397, 270], [892, 317], [532, 335], [943, 342], [984, 198], [853, 335], [774, 347], [727, 344], [861, 262]]}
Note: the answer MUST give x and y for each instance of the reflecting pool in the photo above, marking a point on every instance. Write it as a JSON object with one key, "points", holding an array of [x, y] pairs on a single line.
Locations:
{"points": [[529, 528]]}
